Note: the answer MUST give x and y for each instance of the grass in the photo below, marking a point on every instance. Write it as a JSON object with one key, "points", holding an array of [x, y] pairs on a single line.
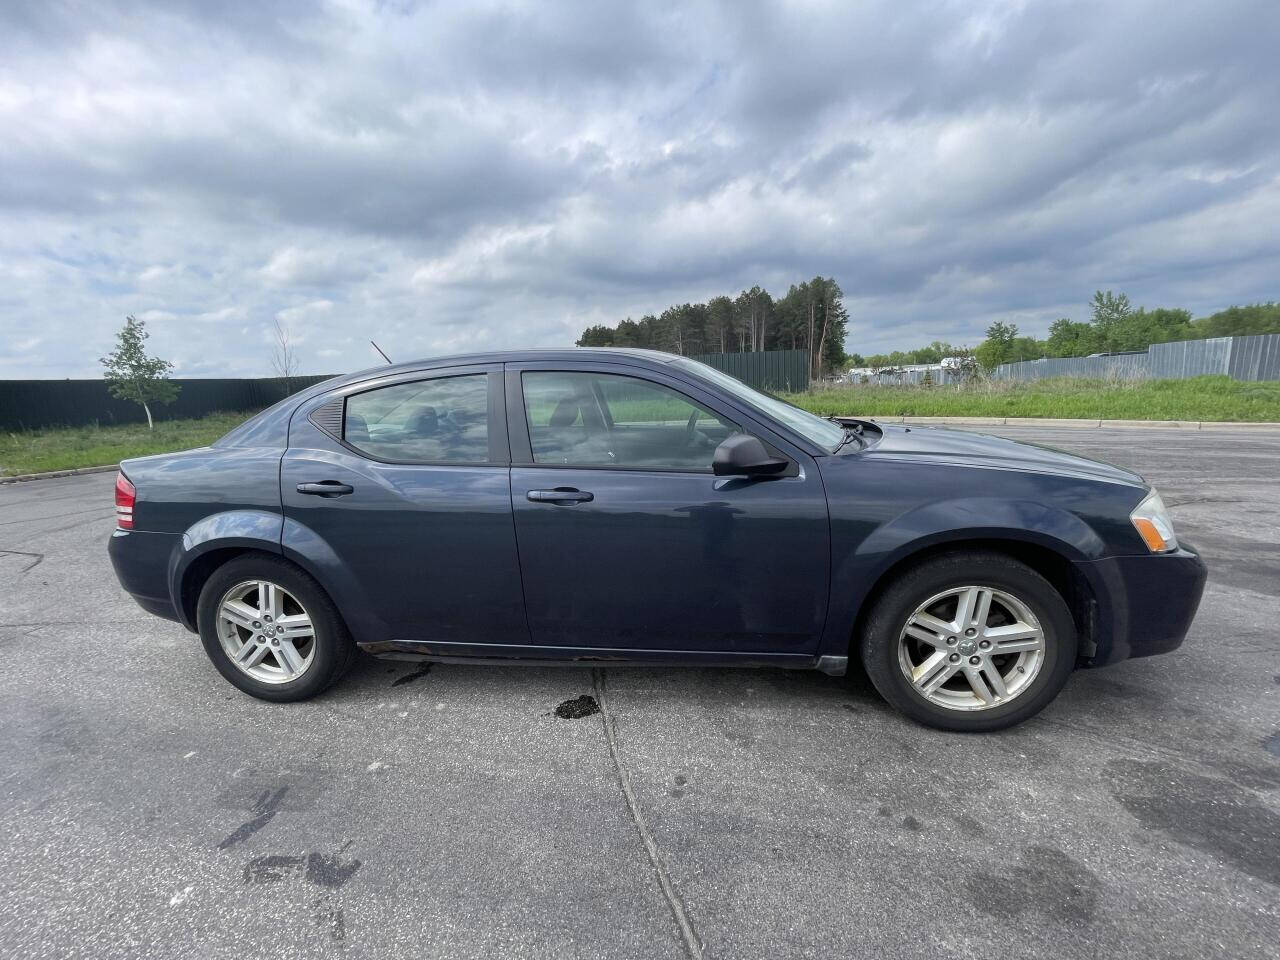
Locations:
{"points": [[1196, 398], [64, 448]]}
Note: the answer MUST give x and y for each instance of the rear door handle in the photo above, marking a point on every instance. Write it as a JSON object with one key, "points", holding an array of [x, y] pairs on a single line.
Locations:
{"points": [[563, 496], [326, 488]]}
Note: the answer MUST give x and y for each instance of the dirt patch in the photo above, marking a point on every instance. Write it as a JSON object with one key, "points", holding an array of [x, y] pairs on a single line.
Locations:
{"points": [[577, 708], [1047, 881], [1207, 814]]}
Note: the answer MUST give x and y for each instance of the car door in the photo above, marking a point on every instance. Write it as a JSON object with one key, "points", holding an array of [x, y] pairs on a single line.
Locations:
{"points": [[627, 540], [397, 491]]}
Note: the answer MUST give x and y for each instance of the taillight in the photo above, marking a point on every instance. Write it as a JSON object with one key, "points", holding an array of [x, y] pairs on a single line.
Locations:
{"points": [[125, 495]]}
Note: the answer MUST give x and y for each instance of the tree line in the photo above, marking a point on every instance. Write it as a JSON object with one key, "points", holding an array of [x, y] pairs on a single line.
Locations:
{"points": [[1114, 326], [811, 317]]}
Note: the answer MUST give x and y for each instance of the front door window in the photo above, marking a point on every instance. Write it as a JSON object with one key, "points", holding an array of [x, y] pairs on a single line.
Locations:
{"points": [[601, 419]]}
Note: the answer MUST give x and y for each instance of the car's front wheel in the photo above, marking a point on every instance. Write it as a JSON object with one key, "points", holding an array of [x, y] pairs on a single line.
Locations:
{"points": [[271, 630], [970, 641]]}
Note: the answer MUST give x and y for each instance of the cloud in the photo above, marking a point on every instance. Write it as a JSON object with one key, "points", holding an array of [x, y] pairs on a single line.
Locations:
{"points": [[300, 316], [291, 267], [444, 177]]}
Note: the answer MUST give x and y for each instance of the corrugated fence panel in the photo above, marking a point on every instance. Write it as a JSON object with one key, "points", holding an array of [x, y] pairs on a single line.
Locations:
{"points": [[1243, 358], [1255, 358], [783, 370], [1190, 358], [1122, 366], [32, 404]]}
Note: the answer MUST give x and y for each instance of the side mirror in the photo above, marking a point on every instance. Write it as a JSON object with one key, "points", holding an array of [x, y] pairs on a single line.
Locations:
{"points": [[743, 455]]}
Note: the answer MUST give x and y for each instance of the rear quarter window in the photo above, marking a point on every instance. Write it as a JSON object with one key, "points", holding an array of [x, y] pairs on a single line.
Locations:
{"points": [[445, 420]]}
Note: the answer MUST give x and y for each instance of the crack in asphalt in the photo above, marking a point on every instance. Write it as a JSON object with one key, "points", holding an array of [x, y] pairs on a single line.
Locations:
{"points": [[78, 523], [39, 557], [55, 516], [678, 911], [13, 499], [66, 623]]}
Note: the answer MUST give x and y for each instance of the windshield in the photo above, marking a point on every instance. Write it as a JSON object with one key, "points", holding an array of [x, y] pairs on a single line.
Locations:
{"points": [[824, 433]]}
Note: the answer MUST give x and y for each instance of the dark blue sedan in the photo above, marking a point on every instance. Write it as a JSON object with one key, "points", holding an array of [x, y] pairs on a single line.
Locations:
{"points": [[625, 505]]}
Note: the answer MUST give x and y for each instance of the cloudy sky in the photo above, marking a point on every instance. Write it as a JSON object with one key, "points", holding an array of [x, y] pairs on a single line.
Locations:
{"points": [[443, 177]]}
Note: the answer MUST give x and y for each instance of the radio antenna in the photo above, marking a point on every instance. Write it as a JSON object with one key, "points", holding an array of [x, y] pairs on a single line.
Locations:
{"points": [[379, 349]]}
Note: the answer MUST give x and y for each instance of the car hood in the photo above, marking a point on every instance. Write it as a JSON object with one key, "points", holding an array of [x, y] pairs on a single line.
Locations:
{"points": [[981, 450]]}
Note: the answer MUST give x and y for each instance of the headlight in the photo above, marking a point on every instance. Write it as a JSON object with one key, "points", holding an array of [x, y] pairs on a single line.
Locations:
{"points": [[1154, 525]]}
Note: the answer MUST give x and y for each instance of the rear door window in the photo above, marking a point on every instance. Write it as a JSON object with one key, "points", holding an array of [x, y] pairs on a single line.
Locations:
{"points": [[600, 419], [445, 420]]}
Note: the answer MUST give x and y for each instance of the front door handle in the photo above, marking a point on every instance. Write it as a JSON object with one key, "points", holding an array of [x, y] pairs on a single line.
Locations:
{"points": [[326, 488], [563, 496]]}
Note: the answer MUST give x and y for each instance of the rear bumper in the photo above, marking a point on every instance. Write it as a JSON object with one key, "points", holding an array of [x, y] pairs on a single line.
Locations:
{"points": [[141, 563], [1145, 603]]}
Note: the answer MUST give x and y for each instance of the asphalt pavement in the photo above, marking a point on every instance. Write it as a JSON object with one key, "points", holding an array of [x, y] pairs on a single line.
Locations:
{"points": [[151, 810]]}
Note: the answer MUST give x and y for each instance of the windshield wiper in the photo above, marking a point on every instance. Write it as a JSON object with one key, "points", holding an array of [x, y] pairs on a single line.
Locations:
{"points": [[850, 434]]}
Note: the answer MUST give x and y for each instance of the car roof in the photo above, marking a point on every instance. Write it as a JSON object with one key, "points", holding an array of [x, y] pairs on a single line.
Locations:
{"points": [[510, 356]]}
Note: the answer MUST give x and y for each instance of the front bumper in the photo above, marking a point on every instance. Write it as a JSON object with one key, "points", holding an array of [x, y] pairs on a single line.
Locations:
{"points": [[141, 562], [1145, 604]]}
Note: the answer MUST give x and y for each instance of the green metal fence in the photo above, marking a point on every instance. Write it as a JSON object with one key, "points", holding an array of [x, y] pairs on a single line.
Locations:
{"points": [[779, 370], [31, 404]]}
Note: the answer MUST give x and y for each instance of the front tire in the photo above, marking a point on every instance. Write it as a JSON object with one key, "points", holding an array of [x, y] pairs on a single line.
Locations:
{"points": [[969, 641], [271, 630]]}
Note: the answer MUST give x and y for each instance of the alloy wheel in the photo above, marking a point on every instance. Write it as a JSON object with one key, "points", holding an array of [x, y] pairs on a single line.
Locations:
{"points": [[266, 632], [971, 648]]}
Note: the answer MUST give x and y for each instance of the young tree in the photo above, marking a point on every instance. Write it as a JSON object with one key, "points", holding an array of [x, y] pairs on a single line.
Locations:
{"points": [[132, 375], [1111, 313], [284, 360], [998, 347], [964, 366]]}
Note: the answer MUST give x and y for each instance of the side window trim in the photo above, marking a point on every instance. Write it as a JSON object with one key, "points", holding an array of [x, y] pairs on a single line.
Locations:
{"points": [[499, 451]]}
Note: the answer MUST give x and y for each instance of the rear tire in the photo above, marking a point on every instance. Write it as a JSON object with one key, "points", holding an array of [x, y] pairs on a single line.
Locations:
{"points": [[969, 641], [271, 630]]}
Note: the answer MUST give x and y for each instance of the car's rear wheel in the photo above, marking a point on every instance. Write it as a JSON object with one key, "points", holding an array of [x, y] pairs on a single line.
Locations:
{"points": [[969, 641], [271, 630]]}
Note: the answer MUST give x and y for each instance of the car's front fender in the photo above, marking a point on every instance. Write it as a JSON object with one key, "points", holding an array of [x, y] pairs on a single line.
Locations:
{"points": [[886, 509], [863, 554], [960, 522]]}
